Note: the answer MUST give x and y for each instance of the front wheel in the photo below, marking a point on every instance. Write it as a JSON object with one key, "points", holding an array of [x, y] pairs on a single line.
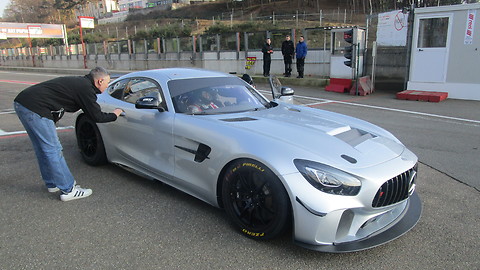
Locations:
{"points": [[255, 199], [90, 142]]}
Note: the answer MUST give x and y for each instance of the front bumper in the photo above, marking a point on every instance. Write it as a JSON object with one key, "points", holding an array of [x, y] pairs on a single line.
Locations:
{"points": [[407, 221]]}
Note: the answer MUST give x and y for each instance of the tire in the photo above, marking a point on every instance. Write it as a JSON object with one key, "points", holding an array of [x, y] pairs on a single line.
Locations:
{"points": [[255, 200], [90, 142]]}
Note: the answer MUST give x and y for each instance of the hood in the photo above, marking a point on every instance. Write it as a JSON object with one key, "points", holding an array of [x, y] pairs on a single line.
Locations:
{"points": [[336, 139]]}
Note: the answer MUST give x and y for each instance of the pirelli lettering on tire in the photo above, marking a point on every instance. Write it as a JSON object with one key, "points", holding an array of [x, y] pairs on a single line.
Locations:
{"points": [[253, 234], [247, 164], [253, 165]]}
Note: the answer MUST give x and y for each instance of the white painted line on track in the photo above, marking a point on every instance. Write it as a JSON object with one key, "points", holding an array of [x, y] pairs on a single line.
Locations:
{"points": [[30, 74], [18, 82], [321, 101], [4, 133], [475, 122]]}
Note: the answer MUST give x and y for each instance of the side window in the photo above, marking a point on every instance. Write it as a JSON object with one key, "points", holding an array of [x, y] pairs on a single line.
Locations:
{"points": [[140, 87], [116, 90]]}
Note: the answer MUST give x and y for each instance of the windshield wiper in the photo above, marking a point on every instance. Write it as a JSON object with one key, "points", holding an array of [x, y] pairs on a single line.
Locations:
{"points": [[259, 108], [272, 104]]}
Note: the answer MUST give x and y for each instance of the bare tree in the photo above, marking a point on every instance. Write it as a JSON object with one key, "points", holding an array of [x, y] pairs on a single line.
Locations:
{"points": [[68, 4], [29, 11], [41, 11]]}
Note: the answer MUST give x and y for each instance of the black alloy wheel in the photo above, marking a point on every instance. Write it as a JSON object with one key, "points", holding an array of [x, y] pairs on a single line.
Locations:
{"points": [[90, 142], [255, 200]]}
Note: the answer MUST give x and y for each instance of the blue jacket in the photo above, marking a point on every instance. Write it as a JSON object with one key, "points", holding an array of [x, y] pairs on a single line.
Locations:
{"points": [[301, 50]]}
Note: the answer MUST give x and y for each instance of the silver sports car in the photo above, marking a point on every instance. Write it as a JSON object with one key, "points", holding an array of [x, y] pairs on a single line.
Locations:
{"points": [[338, 183]]}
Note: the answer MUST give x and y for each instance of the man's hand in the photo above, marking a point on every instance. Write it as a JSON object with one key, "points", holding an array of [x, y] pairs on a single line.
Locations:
{"points": [[118, 111]]}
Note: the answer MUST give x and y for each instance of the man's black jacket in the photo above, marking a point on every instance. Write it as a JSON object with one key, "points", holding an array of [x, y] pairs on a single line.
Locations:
{"points": [[288, 48], [266, 49], [70, 94]]}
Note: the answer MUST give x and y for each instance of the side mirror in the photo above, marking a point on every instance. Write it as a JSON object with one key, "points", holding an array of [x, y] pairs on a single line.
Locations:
{"points": [[149, 103], [248, 79], [286, 95], [287, 91]]}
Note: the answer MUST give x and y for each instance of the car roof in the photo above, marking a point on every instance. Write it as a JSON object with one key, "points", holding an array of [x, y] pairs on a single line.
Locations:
{"points": [[176, 73]]}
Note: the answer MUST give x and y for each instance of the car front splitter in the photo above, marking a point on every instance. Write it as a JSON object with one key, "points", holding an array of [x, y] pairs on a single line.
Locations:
{"points": [[407, 222]]}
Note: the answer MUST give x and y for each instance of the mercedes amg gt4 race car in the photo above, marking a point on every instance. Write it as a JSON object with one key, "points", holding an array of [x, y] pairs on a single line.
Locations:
{"points": [[340, 184]]}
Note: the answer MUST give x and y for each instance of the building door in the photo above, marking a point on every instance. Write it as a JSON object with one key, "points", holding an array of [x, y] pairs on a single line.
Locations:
{"points": [[430, 48]]}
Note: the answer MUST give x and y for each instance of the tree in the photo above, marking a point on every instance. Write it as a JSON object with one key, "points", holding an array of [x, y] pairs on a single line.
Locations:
{"points": [[41, 11], [68, 4], [29, 11]]}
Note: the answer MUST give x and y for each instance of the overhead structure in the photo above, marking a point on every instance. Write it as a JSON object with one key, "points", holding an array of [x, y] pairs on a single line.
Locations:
{"points": [[32, 30]]}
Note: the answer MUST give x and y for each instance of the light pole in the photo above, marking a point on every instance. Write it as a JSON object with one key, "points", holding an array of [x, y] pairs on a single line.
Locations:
{"points": [[83, 44], [30, 43], [87, 22]]}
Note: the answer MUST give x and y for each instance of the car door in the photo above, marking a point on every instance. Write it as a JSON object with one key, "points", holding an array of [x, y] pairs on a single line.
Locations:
{"points": [[142, 138]]}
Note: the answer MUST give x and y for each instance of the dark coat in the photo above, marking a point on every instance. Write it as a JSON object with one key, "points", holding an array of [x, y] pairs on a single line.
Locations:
{"points": [[288, 48], [69, 94], [267, 50]]}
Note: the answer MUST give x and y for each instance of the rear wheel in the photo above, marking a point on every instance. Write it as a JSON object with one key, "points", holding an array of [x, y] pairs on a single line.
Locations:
{"points": [[90, 142], [255, 199]]}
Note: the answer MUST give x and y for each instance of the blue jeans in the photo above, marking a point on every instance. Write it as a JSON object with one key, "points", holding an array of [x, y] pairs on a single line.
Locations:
{"points": [[47, 147]]}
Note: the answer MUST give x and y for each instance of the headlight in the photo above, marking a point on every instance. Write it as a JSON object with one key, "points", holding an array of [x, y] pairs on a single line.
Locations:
{"points": [[328, 179]]}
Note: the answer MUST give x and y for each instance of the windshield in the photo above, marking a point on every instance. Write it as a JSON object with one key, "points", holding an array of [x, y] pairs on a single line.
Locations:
{"points": [[214, 96]]}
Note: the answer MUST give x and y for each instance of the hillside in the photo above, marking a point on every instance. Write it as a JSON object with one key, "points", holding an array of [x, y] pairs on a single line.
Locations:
{"points": [[208, 10], [283, 13], [202, 16]]}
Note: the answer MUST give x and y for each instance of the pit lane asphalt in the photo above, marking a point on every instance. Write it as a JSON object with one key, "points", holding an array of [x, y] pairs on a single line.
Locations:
{"points": [[133, 223]]}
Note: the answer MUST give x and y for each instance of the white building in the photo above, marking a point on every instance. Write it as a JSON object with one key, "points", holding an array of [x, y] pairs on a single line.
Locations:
{"points": [[446, 51], [97, 9], [125, 5]]}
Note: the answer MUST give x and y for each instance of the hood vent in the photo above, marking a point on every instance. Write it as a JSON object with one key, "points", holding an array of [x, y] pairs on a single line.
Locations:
{"points": [[354, 136], [240, 119], [294, 110], [349, 159]]}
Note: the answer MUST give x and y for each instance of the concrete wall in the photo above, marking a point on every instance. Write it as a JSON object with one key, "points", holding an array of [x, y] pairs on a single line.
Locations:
{"points": [[390, 62]]}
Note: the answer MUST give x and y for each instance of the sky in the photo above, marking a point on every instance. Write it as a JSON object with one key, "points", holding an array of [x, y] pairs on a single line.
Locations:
{"points": [[3, 4]]}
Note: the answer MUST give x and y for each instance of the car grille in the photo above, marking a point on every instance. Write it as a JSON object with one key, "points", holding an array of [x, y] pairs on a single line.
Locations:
{"points": [[396, 189]]}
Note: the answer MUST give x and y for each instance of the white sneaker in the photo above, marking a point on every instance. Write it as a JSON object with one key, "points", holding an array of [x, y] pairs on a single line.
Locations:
{"points": [[56, 189], [76, 193], [53, 189]]}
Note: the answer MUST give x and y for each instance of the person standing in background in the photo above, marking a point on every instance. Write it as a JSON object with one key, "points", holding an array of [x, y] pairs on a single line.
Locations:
{"points": [[301, 53], [288, 49], [267, 51]]}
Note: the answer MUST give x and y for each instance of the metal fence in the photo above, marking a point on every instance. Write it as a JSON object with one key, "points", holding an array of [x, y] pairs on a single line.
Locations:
{"points": [[317, 38], [333, 16]]}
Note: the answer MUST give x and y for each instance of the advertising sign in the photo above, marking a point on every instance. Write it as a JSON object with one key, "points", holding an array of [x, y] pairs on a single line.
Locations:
{"points": [[87, 22], [470, 26], [392, 28], [25, 30], [250, 62]]}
